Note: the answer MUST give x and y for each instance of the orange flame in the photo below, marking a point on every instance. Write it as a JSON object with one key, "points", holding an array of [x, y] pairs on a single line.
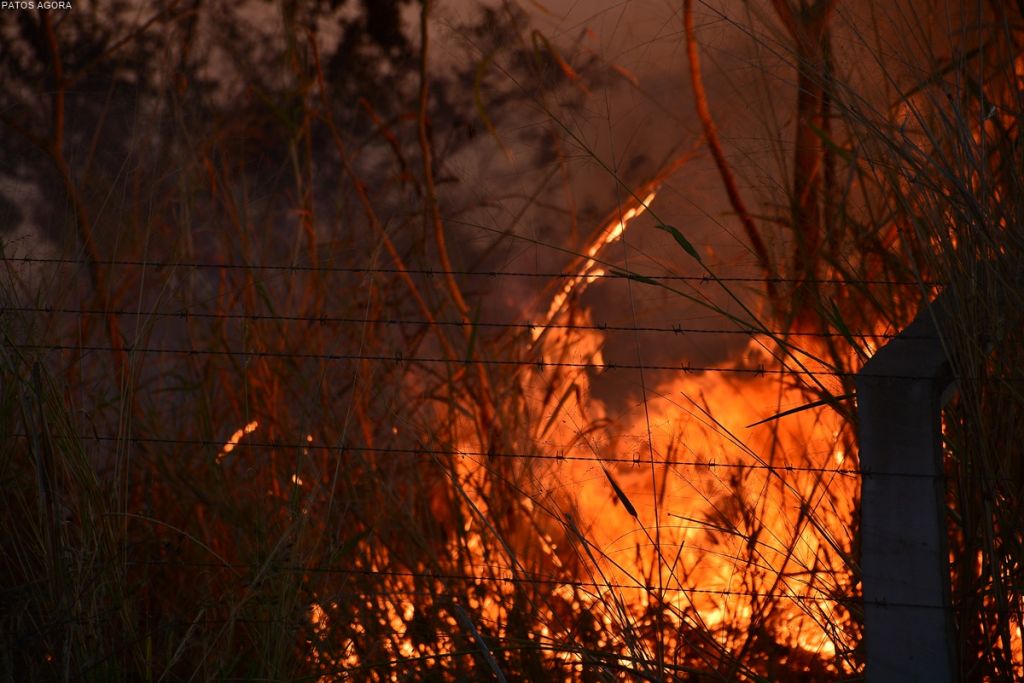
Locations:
{"points": [[235, 438]]}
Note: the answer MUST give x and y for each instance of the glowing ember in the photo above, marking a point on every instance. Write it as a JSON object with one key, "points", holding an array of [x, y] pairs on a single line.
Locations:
{"points": [[235, 438]]}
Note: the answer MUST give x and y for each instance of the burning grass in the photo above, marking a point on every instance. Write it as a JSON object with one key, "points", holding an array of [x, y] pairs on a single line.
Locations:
{"points": [[278, 431]]}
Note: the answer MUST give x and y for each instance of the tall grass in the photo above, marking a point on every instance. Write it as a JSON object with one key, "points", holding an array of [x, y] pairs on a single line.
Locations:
{"points": [[264, 422]]}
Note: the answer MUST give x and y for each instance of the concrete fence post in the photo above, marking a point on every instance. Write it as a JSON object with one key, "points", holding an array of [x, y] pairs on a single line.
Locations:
{"points": [[908, 618]]}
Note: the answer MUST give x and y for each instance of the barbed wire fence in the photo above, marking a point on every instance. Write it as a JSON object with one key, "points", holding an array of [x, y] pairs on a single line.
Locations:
{"points": [[849, 597]]}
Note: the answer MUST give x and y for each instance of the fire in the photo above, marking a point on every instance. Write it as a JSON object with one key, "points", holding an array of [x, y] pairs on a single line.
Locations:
{"points": [[724, 558], [235, 438], [1017, 649], [679, 508], [747, 516], [590, 271]]}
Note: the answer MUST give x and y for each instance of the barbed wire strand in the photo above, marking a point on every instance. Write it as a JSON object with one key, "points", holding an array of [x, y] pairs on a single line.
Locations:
{"points": [[710, 464], [848, 597], [618, 275], [707, 464], [526, 326], [399, 357], [540, 363]]}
